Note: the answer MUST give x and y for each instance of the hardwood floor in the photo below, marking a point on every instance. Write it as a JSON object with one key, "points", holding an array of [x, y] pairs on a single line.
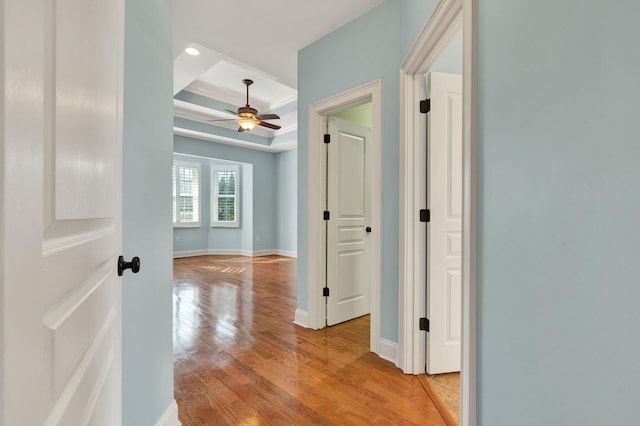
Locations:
{"points": [[444, 389], [240, 360]]}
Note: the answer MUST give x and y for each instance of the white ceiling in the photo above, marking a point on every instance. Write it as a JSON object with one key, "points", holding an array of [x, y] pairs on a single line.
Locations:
{"points": [[251, 39], [265, 35]]}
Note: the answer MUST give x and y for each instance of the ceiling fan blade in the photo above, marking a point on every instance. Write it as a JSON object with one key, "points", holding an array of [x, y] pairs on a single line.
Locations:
{"points": [[221, 119], [269, 125], [231, 112], [269, 117]]}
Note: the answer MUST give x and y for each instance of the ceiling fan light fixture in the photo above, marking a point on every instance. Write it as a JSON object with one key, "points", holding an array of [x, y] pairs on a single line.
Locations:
{"points": [[248, 122]]}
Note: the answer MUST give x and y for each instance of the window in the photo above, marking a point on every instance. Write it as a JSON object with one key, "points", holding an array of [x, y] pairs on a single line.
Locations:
{"points": [[224, 211], [186, 194]]}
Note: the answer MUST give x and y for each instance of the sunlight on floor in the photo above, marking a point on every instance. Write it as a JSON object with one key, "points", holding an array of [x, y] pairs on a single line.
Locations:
{"points": [[226, 270]]}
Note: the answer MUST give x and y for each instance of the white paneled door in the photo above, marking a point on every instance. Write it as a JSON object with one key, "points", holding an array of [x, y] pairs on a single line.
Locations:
{"points": [[61, 130], [444, 235], [349, 205]]}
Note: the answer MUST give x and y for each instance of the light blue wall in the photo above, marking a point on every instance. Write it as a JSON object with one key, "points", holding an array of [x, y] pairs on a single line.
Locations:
{"points": [[147, 355], [205, 236], [559, 213], [248, 211], [413, 15], [196, 238], [264, 183], [371, 47], [287, 200]]}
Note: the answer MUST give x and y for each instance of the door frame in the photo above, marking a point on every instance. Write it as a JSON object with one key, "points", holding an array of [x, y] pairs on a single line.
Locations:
{"points": [[369, 92], [447, 18]]}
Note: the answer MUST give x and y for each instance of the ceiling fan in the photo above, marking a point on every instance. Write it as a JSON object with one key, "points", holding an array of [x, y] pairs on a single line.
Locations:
{"points": [[248, 117]]}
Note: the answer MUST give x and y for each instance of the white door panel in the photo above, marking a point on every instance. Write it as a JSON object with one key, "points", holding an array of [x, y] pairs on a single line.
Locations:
{"points": [[61, 208], [349, 201], [444, 195]]}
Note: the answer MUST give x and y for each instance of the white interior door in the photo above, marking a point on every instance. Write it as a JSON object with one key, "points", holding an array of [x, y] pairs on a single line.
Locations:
{"points": [[61, 224], [349, 204], [444, 234]]}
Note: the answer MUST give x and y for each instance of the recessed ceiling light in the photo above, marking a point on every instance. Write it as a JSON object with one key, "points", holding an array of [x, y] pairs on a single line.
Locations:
{"points": [[192, 51]]}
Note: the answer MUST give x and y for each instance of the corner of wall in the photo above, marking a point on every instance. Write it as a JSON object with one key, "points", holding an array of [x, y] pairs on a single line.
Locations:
{"points": [[301, 318], [170, 416], [388, 350]]}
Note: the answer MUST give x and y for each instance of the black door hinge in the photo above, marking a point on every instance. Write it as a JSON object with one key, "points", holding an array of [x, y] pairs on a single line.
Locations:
{"points": [[425, 215], [326, 215], [424, 324], [327, 138], [425, 106], [325, 292]]}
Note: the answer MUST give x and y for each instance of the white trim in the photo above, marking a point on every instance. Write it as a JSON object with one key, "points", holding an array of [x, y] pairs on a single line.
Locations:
{"points": [[278, 147], [435, 37], [286, 253], [388, 350], [177, 165], [231, 96], [369, 92], [443, 24], [441, 27], [301, 318], [234, 252], [170, 416], [214, 252], [216, 168], [470, 212], [412, 233], [258, 253], [190, 253], [227, 96], [202, 114]]}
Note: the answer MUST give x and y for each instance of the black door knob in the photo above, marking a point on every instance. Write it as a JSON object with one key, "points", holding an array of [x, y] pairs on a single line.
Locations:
{"points": [[134, 265], [368, 229]]}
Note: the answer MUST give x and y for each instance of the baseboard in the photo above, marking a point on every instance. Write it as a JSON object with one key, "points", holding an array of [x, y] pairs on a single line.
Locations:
{"points": [[170, 416], [269, 252], [266, 252], [190, 253], [301, 318], [388, 350], [234, 252], [287, 253], [205, 252], [228, 252]]}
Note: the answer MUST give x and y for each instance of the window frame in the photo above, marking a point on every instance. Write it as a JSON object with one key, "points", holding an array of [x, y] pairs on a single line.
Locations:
{"points": [[215, 169], [177, 164]]}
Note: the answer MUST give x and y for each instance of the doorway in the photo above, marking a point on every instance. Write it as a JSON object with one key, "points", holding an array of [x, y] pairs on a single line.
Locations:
{"points": [[370, 92], [446, 20]]}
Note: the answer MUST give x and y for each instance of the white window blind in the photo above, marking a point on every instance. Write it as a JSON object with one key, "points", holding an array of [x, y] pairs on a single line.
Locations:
{"points": [[186, 194], [225, 184]]}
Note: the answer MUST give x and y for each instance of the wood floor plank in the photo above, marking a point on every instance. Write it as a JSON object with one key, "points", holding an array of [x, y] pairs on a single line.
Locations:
{"points": [[239, 359]]}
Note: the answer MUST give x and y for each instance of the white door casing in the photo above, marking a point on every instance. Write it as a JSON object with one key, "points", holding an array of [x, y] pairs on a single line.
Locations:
{"points": [[444, 235], [446, 19], [61, 230], [349, 203], [315, 162]]}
